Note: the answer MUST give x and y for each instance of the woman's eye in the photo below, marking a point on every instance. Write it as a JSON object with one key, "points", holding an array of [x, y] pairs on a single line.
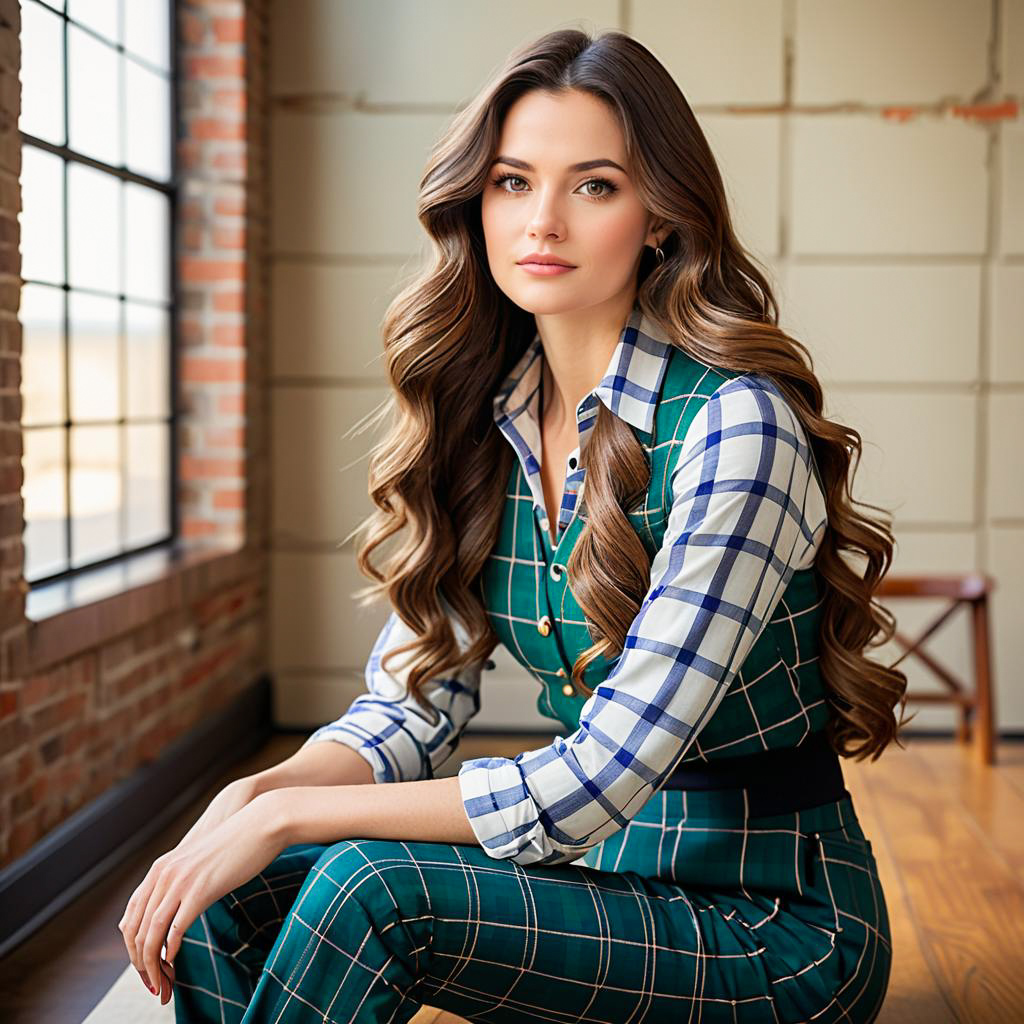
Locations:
{"points": [[502, 178], [609, 188]]}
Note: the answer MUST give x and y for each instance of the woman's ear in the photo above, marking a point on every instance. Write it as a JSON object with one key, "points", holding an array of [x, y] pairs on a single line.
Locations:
{"points": [[657, 233]]}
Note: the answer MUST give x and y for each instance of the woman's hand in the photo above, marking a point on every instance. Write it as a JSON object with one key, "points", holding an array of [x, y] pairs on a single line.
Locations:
{"points": [[185, 881], [232, 798]]}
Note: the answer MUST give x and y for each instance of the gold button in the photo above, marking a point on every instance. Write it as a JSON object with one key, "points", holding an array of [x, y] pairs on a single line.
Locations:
{"points": [[560, 672], [567, 689], [544, 625]]}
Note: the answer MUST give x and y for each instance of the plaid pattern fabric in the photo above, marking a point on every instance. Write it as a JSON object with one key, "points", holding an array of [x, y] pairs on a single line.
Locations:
{"points": [[594, 895], [698, 913], [777, 696], [735, 511]]}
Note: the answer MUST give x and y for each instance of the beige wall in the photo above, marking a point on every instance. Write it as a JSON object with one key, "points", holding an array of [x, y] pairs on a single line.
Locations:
{"points": [[874, 156]]}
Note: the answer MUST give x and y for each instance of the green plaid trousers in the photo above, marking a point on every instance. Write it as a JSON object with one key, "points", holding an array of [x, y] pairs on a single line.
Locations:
{"points": [[692, 912], [696, 910]]}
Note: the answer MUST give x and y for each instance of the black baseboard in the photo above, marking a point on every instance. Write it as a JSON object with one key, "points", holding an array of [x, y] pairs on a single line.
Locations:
{"points": [[80, 851]]}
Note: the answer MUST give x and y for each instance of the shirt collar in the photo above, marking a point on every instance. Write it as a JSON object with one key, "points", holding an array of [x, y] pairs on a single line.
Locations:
{"points": [[630, 385]]}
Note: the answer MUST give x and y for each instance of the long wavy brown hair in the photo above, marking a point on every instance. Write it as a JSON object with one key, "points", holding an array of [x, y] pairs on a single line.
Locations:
{"points": [[450, 337]]}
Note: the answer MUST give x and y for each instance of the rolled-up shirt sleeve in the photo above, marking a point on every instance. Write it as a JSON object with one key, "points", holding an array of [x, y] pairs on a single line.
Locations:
{"points": [[747, 511], [388, 727]]}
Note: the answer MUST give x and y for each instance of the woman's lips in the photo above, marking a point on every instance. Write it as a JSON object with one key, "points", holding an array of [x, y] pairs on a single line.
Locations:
{"points": [[545, 269]]}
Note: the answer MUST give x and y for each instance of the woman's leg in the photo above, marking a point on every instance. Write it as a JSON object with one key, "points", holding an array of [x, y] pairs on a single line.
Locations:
{"points": [[224, 949], [368, 930], [381, 927]]}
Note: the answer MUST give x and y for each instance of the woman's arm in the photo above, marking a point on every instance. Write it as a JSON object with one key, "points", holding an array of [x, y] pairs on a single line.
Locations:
{"points": [[317, 764], [320, 764], [428, 810]]}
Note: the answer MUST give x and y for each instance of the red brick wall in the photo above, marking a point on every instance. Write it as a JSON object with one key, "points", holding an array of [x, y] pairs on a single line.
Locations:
{"points": [[90, 694]]}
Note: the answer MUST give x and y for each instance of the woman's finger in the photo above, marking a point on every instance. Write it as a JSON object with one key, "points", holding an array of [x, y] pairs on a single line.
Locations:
{"points": [[155, 931], [166, 982], [175, 934], [153, 890], [146, 900], [188, 910], [129, 926]]}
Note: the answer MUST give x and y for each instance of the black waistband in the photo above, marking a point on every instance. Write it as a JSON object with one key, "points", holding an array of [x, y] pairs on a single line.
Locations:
{"points": [[776, 781]]}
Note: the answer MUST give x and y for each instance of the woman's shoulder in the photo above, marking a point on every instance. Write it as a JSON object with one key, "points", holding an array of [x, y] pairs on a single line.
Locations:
{"points": [[691, 386], [699, 402]]}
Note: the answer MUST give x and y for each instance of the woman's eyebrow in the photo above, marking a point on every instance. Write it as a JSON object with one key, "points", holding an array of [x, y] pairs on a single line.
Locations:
{"points": [[586, 165]]}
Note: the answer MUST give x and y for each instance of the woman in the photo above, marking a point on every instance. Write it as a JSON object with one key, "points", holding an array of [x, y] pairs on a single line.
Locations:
{"points": [[619, 469]]}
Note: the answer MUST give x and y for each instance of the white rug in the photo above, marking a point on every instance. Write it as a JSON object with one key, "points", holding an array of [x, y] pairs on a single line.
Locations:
{"points": [[130, 1002]]}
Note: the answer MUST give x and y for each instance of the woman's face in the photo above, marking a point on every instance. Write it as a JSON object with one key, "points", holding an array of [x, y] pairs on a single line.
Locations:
{"points": [[590, 217]]}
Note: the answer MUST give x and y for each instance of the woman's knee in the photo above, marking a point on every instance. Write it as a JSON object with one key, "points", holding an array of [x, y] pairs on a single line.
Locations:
{"points": [[365, 864], [382, 876]]}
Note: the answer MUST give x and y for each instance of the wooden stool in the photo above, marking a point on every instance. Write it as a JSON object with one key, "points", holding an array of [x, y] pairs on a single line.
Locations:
{"points": [[976, 708]]}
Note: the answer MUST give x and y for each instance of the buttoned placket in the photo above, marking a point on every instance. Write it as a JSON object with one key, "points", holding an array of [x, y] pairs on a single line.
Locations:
{"points": [[551, 581], [555, 570], [545, 625], [549, 562]]}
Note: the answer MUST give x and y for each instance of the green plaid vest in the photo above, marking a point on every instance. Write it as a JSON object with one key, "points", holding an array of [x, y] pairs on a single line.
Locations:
{"points": [[778, 691]]}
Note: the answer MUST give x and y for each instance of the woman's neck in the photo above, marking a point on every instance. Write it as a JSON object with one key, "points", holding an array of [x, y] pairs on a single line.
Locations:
{"points": [[577, 351]]}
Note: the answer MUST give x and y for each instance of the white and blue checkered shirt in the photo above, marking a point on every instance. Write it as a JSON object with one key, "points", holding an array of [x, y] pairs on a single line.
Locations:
{"points": [[747, 512]]}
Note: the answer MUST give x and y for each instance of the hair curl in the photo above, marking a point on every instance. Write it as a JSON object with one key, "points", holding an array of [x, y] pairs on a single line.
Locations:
{"points": [[443, 467]]}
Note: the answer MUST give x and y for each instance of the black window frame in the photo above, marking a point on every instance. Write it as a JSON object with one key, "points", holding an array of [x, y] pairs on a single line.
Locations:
{"points": [[171, 189]]}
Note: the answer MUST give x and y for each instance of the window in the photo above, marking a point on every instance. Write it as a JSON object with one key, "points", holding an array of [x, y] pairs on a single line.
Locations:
{"points": [[98, 182]]}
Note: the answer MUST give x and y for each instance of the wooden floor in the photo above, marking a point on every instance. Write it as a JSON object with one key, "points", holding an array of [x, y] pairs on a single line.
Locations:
{"points": [[948, 836]]}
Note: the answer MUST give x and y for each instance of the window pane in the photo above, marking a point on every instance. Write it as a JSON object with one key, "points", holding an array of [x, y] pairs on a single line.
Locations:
{"points": [[95, 494], [94, 110], [147, 223], [95, 376], [99, 15], [148, 113], [146, 24], [42, 74], [45, 504], [148, 482], [146, 353], [42, 215], [94, 229], [42, 359]]}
